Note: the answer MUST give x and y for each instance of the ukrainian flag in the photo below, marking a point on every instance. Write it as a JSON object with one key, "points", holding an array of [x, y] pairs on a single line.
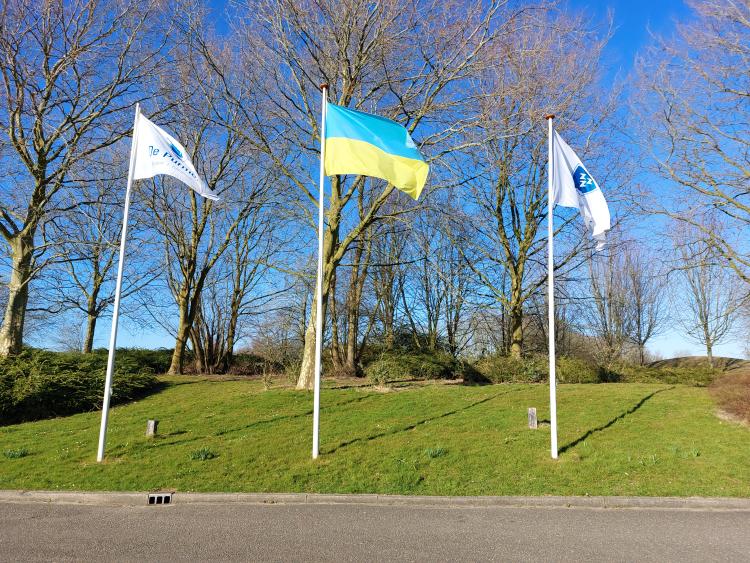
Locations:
{"points": [[367, 145]]}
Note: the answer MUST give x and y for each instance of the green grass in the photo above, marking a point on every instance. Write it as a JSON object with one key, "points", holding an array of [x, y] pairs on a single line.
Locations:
{"points": [[615, 439]]}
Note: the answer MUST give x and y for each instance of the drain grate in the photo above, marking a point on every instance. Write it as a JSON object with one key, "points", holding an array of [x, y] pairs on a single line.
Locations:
{"points": [[160, 498]]}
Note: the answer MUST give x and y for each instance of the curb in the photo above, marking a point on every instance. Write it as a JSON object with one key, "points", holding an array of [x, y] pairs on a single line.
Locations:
{"points": [[141, 499]]}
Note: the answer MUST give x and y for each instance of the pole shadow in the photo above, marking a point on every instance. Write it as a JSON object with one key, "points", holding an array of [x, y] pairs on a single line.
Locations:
{"points": [[630, 411], [372, 437], [308, 412], [256, 423]]}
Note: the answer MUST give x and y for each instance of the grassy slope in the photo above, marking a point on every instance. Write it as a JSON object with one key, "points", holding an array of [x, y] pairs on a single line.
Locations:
{"points": [[720, 362], [616, 439]]}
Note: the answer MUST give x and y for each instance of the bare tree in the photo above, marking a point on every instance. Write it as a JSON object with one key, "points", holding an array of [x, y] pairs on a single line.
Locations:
{"points": [[388, 276], [608, 316], [745, 318], [235, 290], [82, 279], [196, 232], [67, 71], [711, 299], [458, 282], [694, 116], [646, 281], [346, 351], [549, 68], [423, 293], [363, 52]]}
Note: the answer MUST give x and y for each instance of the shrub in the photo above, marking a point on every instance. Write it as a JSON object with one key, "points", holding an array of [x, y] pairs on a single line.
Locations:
{"points": [[292, 369], [576, 370], [395, 366], [39, 384], [16, 454], [253, 364], [505, 369], [697, 376], [158, 360]]}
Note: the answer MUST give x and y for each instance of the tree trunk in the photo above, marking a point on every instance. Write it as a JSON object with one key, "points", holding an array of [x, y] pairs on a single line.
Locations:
{"points": [[183, 333], [516, 333], [352, 350], [88, 342], [516, 313], [335, 343], [710, 354], [306, 378], [92, 315], [11, 333], [389, 338], [231, 336], [353, 302]]}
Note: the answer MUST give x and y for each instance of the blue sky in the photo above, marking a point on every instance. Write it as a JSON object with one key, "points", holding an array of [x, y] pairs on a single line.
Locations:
{"points": [[634, 20]]}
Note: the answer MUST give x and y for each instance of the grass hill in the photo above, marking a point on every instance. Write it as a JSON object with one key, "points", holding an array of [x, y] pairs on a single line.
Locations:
{"points": [[431, 438], [720, 363], [731, 389]]}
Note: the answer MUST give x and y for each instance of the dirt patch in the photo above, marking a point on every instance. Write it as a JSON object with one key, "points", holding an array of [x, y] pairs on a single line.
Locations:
{"points": [[732, 393], [729, 417]]}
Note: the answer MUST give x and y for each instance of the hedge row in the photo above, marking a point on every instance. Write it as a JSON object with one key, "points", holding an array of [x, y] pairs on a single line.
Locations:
{"points": [[38, 384], [503, 369], [395, 366]]}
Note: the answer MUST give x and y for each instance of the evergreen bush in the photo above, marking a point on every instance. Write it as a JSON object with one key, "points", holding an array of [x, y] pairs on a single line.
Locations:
{"points": [[400, 365], [40, 384], [506, 369]]}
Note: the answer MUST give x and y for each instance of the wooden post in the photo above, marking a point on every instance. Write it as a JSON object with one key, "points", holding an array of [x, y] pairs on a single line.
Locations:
{"points": [[151, 426], [532, 418]]}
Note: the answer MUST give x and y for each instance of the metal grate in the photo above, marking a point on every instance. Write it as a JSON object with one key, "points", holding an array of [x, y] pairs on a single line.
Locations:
{"points": [[160, 498]]}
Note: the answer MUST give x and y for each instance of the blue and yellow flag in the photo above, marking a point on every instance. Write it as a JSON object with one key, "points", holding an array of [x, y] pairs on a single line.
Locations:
{"points": [[367, 145]]}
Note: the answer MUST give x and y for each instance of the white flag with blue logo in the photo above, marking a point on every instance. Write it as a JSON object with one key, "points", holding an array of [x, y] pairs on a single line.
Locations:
{"points": [[573, 186], [157, 152]]}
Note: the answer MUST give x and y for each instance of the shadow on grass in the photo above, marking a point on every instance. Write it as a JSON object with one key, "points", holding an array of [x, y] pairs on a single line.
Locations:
{"points": [[412, 382], [297, 415], [189, 380], [363, 385], [603, 427], [254, 424], [414, 425]]}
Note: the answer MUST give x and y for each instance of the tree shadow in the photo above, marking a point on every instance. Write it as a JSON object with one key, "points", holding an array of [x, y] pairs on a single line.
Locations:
{"points": [[347, 443], [308, 412], [253, 424], [603, 427]]}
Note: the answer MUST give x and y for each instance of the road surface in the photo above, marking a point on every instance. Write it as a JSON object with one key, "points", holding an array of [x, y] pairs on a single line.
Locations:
{"points": [[36, 531]]}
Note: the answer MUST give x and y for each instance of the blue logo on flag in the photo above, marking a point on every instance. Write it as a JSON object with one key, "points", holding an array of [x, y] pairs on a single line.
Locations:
{"points": [[176, 151], [583, 180]]}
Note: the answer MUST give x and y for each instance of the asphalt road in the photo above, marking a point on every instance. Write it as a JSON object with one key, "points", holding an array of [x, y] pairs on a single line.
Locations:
{"points": [[352, 532]]}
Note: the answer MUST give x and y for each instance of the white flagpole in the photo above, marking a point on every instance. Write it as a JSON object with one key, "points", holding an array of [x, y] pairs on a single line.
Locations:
{"points": [[551, 295], [118, 287], [319, 304]]}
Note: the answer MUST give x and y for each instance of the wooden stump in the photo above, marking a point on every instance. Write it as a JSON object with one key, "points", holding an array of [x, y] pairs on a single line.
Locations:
{"points": [[532, 418]]}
